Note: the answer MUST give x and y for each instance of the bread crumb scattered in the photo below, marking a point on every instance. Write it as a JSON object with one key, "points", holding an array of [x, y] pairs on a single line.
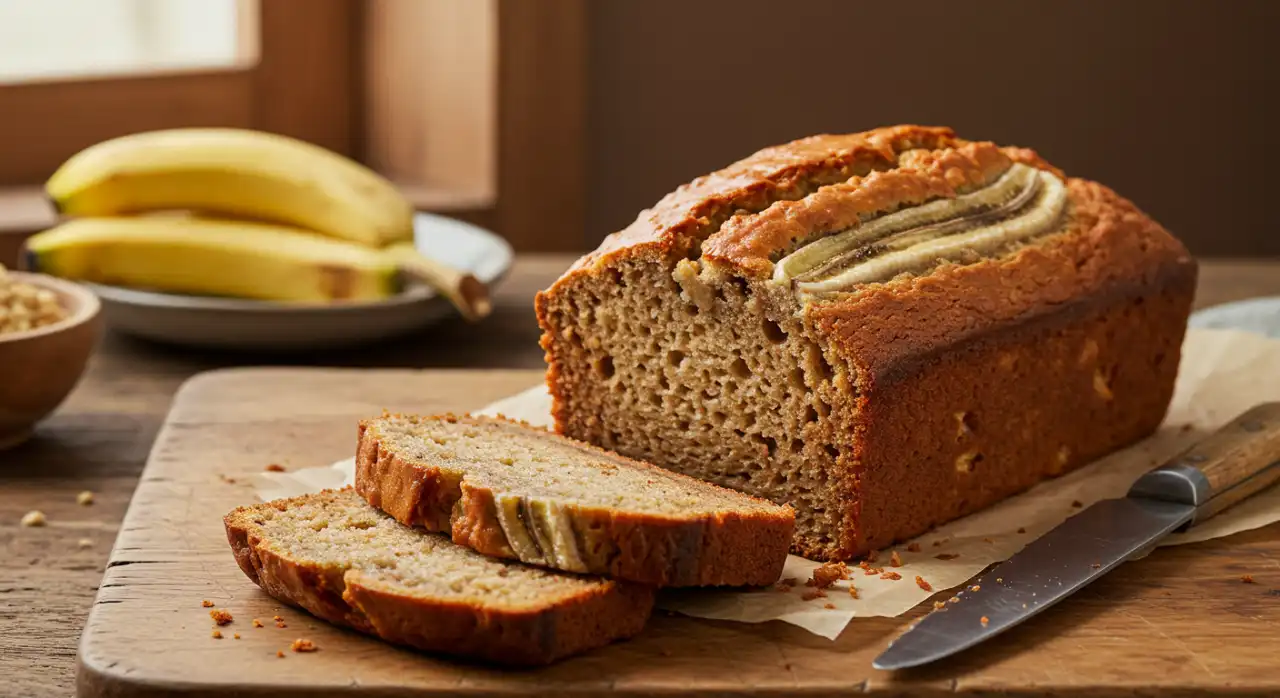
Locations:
{"points": [[34, 518], [236, 636], [895, 560], [257, 623], [947, 556], [827, 574], [1076, 504], [85, 498], [984, 620], [891, 575], [815, 594], [280, 654], [207, 603], [1022, 529], [1247, 579], [954, 599], [873, 571], [84, 543], [277, 618], [221, 616], [281, 624], [999, 580], [939, 604], [275, 468], [913, 548], [217, 634], [920, 582], [303, 645], [829, 606], [853, 591], [1096, 565], [975, 587]]}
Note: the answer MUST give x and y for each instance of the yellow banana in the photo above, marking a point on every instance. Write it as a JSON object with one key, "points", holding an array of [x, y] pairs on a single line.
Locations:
{"points": [[234, 173], [213, 257]]}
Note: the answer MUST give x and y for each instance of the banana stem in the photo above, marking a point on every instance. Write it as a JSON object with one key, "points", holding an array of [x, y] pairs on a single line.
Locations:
{"points": [[467, 293]]}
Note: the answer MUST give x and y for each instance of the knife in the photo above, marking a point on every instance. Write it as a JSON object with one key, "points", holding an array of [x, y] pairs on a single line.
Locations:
{"points": [[1234, 463]]}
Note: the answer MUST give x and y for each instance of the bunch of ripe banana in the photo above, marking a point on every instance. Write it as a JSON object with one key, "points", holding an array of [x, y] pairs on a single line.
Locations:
{"points": [[238, 213]]}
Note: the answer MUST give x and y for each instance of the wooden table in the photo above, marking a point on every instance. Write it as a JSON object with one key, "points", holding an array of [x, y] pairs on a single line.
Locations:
{"points": [[100, 438]]}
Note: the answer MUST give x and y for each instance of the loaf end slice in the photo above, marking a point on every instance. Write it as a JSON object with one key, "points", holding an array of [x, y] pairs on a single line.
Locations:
{"points": [[510, 490], [344, 561]]}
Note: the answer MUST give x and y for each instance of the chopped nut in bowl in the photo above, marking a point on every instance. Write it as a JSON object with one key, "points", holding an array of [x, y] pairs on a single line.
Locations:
{"points": [[48, 329]]}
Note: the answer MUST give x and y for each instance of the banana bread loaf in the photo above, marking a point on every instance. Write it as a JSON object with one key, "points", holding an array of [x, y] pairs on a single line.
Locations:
{"points": [[352, 565], [886, 330], [509, 490]]}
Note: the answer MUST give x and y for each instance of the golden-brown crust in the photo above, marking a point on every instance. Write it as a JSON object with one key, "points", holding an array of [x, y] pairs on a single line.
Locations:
{"points": [[518, 637], [729, 548]]}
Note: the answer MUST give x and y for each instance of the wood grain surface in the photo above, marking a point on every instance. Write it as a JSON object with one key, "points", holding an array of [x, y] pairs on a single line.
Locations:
{"points": [[101, 437]]}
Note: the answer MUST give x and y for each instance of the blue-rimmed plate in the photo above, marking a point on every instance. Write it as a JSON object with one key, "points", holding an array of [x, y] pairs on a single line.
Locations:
{"points": [[1257, 315], [252, 325]]}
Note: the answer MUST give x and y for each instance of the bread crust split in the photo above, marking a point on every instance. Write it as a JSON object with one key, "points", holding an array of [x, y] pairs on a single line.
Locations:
{"points": [[725, 548], [893, 404], [495, 633]]}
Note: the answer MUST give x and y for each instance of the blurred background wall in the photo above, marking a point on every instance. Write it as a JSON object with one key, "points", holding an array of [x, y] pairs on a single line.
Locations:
{"points": [[554, 122], [1170, 102]]}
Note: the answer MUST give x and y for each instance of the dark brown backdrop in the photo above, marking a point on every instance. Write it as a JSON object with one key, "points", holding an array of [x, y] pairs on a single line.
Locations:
{"points": [[1170, 102]]}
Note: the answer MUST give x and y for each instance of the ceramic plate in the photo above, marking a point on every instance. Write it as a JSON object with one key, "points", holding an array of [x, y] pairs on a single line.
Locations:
{"points": [[227, 323], [1257, 315]]}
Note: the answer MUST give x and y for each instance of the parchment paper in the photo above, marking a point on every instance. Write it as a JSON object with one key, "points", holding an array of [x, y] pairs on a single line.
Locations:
{"points": [[1223, 373]]}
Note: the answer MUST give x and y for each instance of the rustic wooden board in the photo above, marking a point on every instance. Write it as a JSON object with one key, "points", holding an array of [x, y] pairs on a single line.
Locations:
{"points": [[1179, 622]]}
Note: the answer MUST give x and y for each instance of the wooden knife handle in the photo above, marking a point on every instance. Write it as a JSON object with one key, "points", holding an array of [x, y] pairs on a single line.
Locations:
{"points": [[1234, 463]]}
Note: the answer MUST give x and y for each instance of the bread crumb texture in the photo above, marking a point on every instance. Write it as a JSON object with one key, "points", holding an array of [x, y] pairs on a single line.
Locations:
{"points": [[221, 616], [85, 498], [303, 645], [34, 518]]}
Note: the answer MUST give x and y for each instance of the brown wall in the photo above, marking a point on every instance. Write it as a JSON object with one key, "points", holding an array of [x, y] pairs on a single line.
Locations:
{"points": [[1169, 102]]}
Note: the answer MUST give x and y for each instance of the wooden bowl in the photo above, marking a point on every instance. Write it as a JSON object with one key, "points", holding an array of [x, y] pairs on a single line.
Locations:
{"points": [[40, 367]]}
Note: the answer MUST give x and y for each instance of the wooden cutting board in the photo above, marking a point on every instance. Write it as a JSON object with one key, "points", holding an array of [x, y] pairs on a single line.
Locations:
{"points": [[1180, 622]]}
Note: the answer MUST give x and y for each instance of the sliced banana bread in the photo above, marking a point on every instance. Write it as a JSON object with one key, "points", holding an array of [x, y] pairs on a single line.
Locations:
{"points": [[510, 490], [886, 330], [350, 564]]}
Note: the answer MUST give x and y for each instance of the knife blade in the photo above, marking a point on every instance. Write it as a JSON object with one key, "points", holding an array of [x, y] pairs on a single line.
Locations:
{"points": [[1234, 463]]}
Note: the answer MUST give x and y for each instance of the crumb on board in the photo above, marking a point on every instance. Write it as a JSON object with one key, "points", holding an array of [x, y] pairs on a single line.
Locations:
{"points": [[891, 575], [954, 599], [236, 636], [984, 620], [975, 587], [895, 560], [864, 565], [221, 616], [1096, 565], [1022, 529], [84, 543], [920, 582], [278, 619], [999, 580], [85, 498], [913, 548], [946, 556], [827, 574], [829, 606], [853, 591], [207, 603], [281, 624], [257, 623], [939, 604], [1247, 579], [280, 654], [815, 594], [32, 518], [303, 645], [873, 571], [217, 634], [274, 468], [1076, 503]]}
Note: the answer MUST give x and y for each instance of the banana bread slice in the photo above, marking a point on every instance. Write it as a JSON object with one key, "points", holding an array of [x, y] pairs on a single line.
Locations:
{"points": [[886, 330], [510, 490], [352, 565]]}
